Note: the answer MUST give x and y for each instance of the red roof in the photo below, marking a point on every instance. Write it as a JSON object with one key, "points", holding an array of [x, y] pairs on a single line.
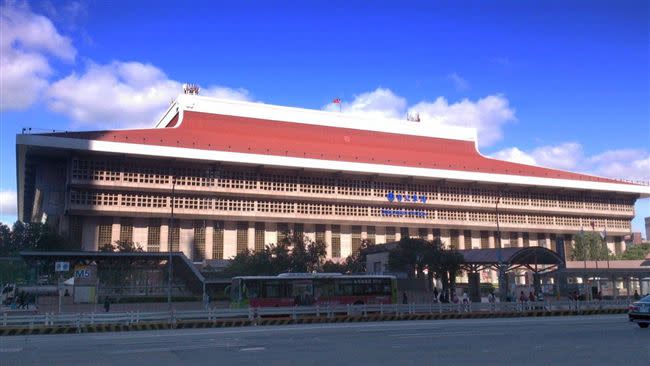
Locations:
{"points": [[257, 136]]}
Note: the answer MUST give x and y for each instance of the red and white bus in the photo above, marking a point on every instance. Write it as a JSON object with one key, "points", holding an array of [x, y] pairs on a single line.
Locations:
{"points": [[307, 289]]}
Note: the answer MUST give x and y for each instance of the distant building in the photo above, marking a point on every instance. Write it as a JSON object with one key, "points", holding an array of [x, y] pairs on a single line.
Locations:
{"points": [[634, 238], [647, 228]]}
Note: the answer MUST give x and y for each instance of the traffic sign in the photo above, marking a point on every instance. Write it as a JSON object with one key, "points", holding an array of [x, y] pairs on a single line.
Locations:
{"points": [[61, 266]]}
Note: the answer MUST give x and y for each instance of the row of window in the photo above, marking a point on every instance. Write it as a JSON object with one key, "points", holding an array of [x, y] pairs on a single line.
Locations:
{"points": [[215, 205], [98, 170], [512, 239]]}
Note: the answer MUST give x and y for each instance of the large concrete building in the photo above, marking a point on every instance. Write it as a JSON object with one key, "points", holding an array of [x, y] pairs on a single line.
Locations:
{"points": [[240, 174]]}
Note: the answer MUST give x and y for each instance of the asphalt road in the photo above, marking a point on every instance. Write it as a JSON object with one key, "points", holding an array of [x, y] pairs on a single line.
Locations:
{"points": [[584, 340]]}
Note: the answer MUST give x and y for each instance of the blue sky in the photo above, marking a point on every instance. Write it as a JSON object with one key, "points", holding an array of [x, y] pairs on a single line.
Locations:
{"points": [[562, 84]]}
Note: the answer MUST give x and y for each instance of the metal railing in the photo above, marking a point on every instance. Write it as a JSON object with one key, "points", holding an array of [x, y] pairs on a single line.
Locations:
{"points": [[171, 317]]}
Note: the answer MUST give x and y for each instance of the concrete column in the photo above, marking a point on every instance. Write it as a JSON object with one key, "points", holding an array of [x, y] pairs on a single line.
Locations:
{"points": [[251, 235], [209, 238], [229, 239], [346, 240], [186, 238], [140, 233], [547, 242], [328, 240], [398, 234], [380, 234], [115, 229], [476, 239], [270, 233], [461, 240], [520, 240], [164, 236], [491, 239], [89, 231]]}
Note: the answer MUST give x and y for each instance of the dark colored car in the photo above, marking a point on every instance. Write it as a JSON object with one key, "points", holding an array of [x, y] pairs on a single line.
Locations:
{"points": [[640, 312]]}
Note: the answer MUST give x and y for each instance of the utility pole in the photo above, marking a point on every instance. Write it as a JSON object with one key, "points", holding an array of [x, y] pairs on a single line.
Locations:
{"points": [[170, 238], [502, 278]]}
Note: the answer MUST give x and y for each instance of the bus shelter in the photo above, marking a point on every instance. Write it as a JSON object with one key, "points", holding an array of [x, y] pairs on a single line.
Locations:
{"points": [[537, 260]]}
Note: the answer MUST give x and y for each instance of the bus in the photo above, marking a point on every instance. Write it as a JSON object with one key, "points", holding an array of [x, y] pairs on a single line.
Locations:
{"points": [[312, 289]]}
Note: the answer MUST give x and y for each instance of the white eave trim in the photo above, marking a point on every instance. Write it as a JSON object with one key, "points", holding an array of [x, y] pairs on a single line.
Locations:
{"points": [[270, 112], [333, 165]]}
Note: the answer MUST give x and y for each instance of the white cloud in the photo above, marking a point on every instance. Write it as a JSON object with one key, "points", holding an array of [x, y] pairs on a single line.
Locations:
{"points": [[631, 164], [460, 83], [121, 94], [514, 155], [381, 102], [25, 41], [487, 115], [7, 203]]}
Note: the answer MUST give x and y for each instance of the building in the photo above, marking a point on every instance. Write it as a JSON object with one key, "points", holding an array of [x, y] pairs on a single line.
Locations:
{"points": [[241, 174], [633, 238], [647, 228]]}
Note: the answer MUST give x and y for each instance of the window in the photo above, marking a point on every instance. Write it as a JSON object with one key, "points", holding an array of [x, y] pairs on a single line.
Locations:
{"points": [[467, 237], [282, 232], [526, 239], [336, 241], [436, 233], [153, 235], [404, 232], [104, 236], [242, 236], [199, 241], [390, 234], [454, 241], [299, 230], [76, 228], [217, 240], [370, 234], [320, 233], [259, 236], [541, 239], [175, 232], [423, 233], [485, 240], [514, 239], [126, 229], [356, 238]]}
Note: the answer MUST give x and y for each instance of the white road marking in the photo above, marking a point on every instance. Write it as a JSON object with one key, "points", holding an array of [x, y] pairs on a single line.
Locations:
{"points": [[10, 350], [252, 349]]}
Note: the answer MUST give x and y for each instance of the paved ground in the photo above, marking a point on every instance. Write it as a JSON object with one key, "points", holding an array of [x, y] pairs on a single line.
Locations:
{"points": [[585, 340]]}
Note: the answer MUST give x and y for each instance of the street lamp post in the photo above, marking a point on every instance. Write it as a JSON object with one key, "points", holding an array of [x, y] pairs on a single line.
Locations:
{"points": [[502, 280], [170, 238]]}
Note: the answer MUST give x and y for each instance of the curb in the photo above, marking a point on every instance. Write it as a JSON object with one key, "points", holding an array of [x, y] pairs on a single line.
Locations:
{"points": [[227, 323]]}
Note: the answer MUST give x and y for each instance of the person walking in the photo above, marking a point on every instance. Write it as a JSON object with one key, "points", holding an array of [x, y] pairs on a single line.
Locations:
{"points": [[107, 304], [435, 294], [405, 299]]}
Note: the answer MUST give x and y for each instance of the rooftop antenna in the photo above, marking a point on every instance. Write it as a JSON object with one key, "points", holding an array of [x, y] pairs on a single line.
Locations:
{"points": [[413, 117], [191, 89]]}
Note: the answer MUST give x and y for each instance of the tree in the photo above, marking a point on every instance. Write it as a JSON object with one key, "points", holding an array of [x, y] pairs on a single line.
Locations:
{"points": [[635, 252], [410, 256], [117, 273], [589, 246]]}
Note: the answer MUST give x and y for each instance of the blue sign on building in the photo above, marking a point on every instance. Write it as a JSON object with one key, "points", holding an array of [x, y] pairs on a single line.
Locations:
{"points": [[392, 197], [389, 212]]}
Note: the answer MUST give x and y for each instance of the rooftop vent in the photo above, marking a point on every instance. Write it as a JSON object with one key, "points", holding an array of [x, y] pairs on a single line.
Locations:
{"points": [[191, 89]]}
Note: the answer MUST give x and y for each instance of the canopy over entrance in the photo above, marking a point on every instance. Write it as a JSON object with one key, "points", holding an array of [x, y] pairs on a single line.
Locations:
{"points": [[536, 259]]}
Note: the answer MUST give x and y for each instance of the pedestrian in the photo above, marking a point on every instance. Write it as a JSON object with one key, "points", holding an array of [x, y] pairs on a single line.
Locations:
{"points": [[522, 297], [107, 304], [435, 294], [491, 298], [636, 295], [465, 298], [531, 296], [405, 299]]}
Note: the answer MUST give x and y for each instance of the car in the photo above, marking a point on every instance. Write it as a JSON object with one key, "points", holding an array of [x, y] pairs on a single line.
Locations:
{"points": [[639, 312]]}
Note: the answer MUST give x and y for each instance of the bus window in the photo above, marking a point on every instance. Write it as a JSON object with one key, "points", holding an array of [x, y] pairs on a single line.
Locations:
{"points": [[273, 289], [234, 290], [345, 287], [251, 289]]}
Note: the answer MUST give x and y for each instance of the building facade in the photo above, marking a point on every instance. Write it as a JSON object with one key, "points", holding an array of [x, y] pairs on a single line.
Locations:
{"points": [[238, 175]]}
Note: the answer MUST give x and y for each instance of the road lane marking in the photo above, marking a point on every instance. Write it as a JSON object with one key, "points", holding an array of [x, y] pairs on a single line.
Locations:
{"points": [[10, 350], [253, 349]]}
